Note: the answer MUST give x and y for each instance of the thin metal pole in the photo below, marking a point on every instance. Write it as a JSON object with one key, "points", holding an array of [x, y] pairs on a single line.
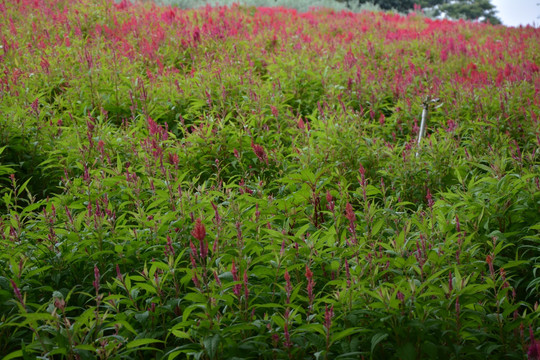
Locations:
{"points": [[425, 116]]}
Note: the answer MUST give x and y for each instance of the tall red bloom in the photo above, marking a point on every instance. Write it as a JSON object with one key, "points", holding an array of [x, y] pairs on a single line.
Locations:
{"points": [[259, 151], [330, 201], [349, 213], [288, 286], [237, 289], [17, 292], [534, 348], [96, 279], [351, 216], [489, 261], [199, 233]]}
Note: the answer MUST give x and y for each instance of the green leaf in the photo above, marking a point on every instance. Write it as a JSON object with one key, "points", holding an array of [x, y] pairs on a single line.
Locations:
{"points": [[311, 328], [175, 354], [142, 342], [181, 334], [535, 227], [13, 355], [376, 339], [85, 347], [301, 231], [118, 163], [190, 309], [515, 263], [149, 288], [372, 190], [347, 332], [211, 345], [23, 187], [406, 352], [127, 326], [195, 297], [350, 355], [377, 227]]}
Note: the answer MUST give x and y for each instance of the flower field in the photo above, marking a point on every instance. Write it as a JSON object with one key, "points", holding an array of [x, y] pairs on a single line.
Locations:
{"points": [[247, 183]]}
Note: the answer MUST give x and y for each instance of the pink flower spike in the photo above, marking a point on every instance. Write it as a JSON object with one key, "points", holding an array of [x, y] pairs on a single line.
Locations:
{"points": [[96, 279], [288, 286], [216, 277], [237, 288], [349, 213], [246, 290], [362, 171], [301, 124], [17, 292], [199, 232], [259, 152], [287, 342], [534, 349], [328, 315], [330, 201], [118, 273]]}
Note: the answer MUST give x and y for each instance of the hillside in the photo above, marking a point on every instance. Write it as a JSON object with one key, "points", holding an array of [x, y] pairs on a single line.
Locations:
{"points": [[247, 183]]}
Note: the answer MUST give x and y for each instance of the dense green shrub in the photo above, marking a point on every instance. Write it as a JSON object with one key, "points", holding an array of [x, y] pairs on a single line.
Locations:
{"points": [[242, 182]]}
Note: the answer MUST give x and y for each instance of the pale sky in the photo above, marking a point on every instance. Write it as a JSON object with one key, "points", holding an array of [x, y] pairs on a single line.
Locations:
{"points": [[518, 12]]}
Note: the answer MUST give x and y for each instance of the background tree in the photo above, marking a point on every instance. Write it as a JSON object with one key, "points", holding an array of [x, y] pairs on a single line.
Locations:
{"points": [[482, 10], [470, 9]]}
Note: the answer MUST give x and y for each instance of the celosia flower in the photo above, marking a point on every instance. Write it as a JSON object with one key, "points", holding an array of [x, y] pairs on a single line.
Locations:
{"points": [[348, 273], [330, 201], [237, 288], [429, 199], [349, 213], [328, 315], [199, 233], [288, 286], [259, 152], [246, 290], [119, 273], [534, 349], [96, 279], [17, 292], [489, 261]]}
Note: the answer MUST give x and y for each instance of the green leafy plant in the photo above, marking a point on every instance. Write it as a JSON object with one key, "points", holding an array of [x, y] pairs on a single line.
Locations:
{"points": [[242, 182]]}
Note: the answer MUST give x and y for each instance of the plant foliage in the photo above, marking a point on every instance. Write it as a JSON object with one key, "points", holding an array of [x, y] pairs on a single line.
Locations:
{"points": [[242, 183]]}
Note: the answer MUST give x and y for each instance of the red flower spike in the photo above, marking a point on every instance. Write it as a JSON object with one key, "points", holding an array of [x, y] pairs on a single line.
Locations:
{"points": [[489, 261], [348, 272], [246, 290], [119, 273], [259, 152], [237, 288], [17, 292], [328, 315], [349, 213], [199, 233], [534, 349], [330, 201], [96, 279], [288, 286], [301, 124]]}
